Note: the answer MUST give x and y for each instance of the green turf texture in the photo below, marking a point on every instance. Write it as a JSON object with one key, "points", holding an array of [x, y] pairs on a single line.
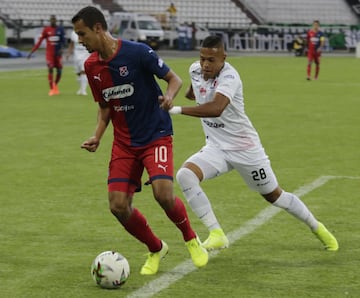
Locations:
{"points": [[54, 212]]}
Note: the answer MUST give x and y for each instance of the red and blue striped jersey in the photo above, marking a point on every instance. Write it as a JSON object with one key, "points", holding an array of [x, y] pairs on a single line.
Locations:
{"points": [[314, 39], [127, 83]]}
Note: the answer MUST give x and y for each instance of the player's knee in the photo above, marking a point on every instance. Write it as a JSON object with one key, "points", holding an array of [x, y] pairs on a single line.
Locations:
{"points": [[273, 196], [119, 205], [163, 191], [186, 178]]}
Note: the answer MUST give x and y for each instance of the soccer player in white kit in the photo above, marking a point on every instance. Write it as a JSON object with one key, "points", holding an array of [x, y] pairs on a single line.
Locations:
{"points": [[232, 143], [80, 55]]}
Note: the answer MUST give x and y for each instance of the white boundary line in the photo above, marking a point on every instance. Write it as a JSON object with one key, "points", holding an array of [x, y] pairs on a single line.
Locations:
{"points": [[186, 267]]}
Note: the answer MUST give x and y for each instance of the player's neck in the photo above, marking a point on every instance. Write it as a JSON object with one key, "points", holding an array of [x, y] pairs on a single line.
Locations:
{"points": [[110, 47]]}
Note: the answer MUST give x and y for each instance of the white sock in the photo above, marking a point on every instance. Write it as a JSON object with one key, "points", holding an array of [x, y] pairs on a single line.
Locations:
{"points": [[292, 204], [196, 198], [83, 82]]}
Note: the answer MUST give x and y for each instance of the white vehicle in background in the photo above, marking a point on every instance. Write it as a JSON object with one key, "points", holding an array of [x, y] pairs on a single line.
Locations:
{"points": [[137, 27]]}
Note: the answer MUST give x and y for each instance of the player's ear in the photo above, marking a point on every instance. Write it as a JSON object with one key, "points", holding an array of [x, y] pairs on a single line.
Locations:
{"points": [[97, 27]]}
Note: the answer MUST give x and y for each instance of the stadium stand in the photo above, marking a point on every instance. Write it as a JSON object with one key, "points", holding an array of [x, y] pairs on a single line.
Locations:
{"points": [[34, 12], [219, 14], [233, 17], [334, 12], [214, 14]]}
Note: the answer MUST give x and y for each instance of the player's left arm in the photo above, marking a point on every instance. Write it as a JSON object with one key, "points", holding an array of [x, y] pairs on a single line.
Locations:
{"points": [[322, 43], [62, 41], [174, 84]]}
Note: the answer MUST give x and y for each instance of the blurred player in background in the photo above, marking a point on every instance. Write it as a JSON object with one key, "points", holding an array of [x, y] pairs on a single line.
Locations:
{"points": [[315, 42], [172, 11], [80, 54], [232, 143], [121, 76], [55, 42]]}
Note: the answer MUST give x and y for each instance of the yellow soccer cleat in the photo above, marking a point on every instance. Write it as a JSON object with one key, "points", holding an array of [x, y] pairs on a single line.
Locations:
{"points": [[199, 255], [151, 265], [328, 239], [216, 240]]}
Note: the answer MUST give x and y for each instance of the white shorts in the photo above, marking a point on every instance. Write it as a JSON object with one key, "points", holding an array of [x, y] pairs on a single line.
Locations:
{"points": [[79, 65], [253, 166]]}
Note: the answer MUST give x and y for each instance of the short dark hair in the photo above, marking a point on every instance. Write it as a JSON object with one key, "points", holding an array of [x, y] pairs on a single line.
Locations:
{"points": [[212, 41], [90, 16]]}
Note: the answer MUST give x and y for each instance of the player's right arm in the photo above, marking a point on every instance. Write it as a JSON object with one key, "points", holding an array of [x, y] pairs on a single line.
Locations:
{"points": [[189, 94], [103, 120], [37, 45]]}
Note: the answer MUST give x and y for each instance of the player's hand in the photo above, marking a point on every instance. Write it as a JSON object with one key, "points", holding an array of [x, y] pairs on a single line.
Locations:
{"points": [[165, 102], [91, 144]]}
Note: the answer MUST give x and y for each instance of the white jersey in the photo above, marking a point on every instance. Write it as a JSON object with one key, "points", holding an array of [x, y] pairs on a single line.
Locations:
{"points": [[80, 52], [233, 130]]}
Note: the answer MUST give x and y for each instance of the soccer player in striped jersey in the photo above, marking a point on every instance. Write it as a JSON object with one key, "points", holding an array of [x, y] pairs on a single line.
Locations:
{"points": [[121, 76], [55, 43], [315, 42], [232, 143]]}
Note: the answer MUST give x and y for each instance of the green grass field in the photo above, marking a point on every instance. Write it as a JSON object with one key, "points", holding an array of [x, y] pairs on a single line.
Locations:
{"points": [[54, 211]]}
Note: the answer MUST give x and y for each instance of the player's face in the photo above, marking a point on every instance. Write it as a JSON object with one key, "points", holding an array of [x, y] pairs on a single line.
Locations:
{"points": [[316, 26], [53, 21], [212, 61], [89, 38]]}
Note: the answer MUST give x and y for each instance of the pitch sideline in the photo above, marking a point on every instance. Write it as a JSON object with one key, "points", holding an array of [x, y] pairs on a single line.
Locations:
{"points": [[186, 267]]}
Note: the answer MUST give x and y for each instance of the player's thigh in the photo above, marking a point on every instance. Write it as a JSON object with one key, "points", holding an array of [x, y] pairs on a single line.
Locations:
{"points": [[50, 62], [125, 171], [211, 161], [58, 62], [157, 158], [310, 56], [255, 168], [259, 177], [79, 66]]}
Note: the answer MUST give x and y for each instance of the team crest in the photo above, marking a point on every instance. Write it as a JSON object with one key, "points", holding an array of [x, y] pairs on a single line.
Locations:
{"points": [[123, 71]]}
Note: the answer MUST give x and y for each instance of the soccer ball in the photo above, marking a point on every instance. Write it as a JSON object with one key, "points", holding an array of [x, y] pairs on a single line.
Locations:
{"points": [[110, 270]]}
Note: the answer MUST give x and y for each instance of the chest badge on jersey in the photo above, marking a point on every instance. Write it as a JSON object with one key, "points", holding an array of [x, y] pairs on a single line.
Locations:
{"points": [[123, 71]]}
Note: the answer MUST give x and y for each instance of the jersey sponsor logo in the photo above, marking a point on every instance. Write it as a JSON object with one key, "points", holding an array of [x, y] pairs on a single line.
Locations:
{"points": [[214, 124], [123, 71], [116, 92], [229, 76], [54, 38], [203, 91], [314, 40], [124, 108]]}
